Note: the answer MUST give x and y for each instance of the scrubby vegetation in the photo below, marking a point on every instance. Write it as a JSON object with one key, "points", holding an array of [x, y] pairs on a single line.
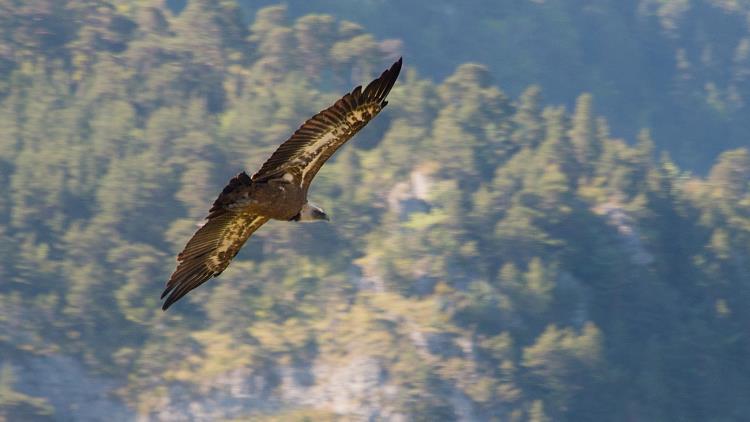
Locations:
{"points": [[489, 256]]}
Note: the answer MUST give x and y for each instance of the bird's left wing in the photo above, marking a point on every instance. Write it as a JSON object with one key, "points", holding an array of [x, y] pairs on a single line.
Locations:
{"points": [[302, 155], [210, 250]]}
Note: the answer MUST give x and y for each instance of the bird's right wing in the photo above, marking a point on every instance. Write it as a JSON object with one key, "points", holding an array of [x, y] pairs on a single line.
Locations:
{"points": [[302, 155], [210, 250]]}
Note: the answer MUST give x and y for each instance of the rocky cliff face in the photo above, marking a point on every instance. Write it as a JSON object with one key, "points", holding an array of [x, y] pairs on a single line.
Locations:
{"points": [[628, 232], [73, 391], [358, 390], [355, 389]]}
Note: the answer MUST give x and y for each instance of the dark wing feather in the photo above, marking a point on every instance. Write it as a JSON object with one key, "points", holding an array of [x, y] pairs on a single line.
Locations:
{"points": [[318, 138], [209, 251]]}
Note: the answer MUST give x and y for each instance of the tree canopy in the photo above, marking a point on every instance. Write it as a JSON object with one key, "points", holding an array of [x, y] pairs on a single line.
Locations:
{"points": [[491, 255]]}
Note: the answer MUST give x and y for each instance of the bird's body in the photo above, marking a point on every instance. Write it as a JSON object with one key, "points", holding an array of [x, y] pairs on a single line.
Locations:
{"points": [[276, 199], [278, 190]]}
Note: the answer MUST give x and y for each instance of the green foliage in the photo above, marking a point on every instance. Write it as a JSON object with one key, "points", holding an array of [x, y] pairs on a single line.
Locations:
{"points": [[490, 258], [680, 67]]}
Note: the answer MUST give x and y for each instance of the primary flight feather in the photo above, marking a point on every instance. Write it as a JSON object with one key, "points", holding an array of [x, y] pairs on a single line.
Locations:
{"points": [[278, 190]]}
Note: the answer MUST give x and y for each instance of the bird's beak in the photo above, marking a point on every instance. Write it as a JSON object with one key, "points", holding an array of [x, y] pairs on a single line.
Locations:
{"points": [[321, 215]]}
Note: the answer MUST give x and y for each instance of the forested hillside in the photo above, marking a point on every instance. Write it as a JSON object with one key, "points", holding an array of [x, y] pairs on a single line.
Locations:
{"points": [[491, 256], [679, 67]]}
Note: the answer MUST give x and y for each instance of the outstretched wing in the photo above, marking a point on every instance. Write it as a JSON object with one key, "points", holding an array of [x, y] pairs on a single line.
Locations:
{"points": [[210, 250], [317, 139]]}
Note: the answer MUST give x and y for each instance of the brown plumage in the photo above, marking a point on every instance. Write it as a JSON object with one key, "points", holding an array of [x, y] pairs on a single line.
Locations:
{"points": [[278, 190]]}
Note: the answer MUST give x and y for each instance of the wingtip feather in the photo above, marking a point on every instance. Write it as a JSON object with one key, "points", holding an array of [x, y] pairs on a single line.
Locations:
{"points": [[389, 78]]}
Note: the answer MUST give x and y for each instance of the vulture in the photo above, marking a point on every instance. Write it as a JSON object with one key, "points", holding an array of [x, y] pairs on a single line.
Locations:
{"points": [[278, 190]]}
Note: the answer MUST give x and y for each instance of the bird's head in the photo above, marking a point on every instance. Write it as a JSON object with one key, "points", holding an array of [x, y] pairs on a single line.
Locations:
{"points": [[310, 212]]}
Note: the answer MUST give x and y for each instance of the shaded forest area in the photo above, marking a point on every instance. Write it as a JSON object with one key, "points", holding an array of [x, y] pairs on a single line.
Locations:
{"points": [[678, 67], [490, 257]]}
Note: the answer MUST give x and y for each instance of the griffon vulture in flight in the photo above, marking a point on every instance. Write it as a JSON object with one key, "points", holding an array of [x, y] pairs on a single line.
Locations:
{"points": [[278, 190]]}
